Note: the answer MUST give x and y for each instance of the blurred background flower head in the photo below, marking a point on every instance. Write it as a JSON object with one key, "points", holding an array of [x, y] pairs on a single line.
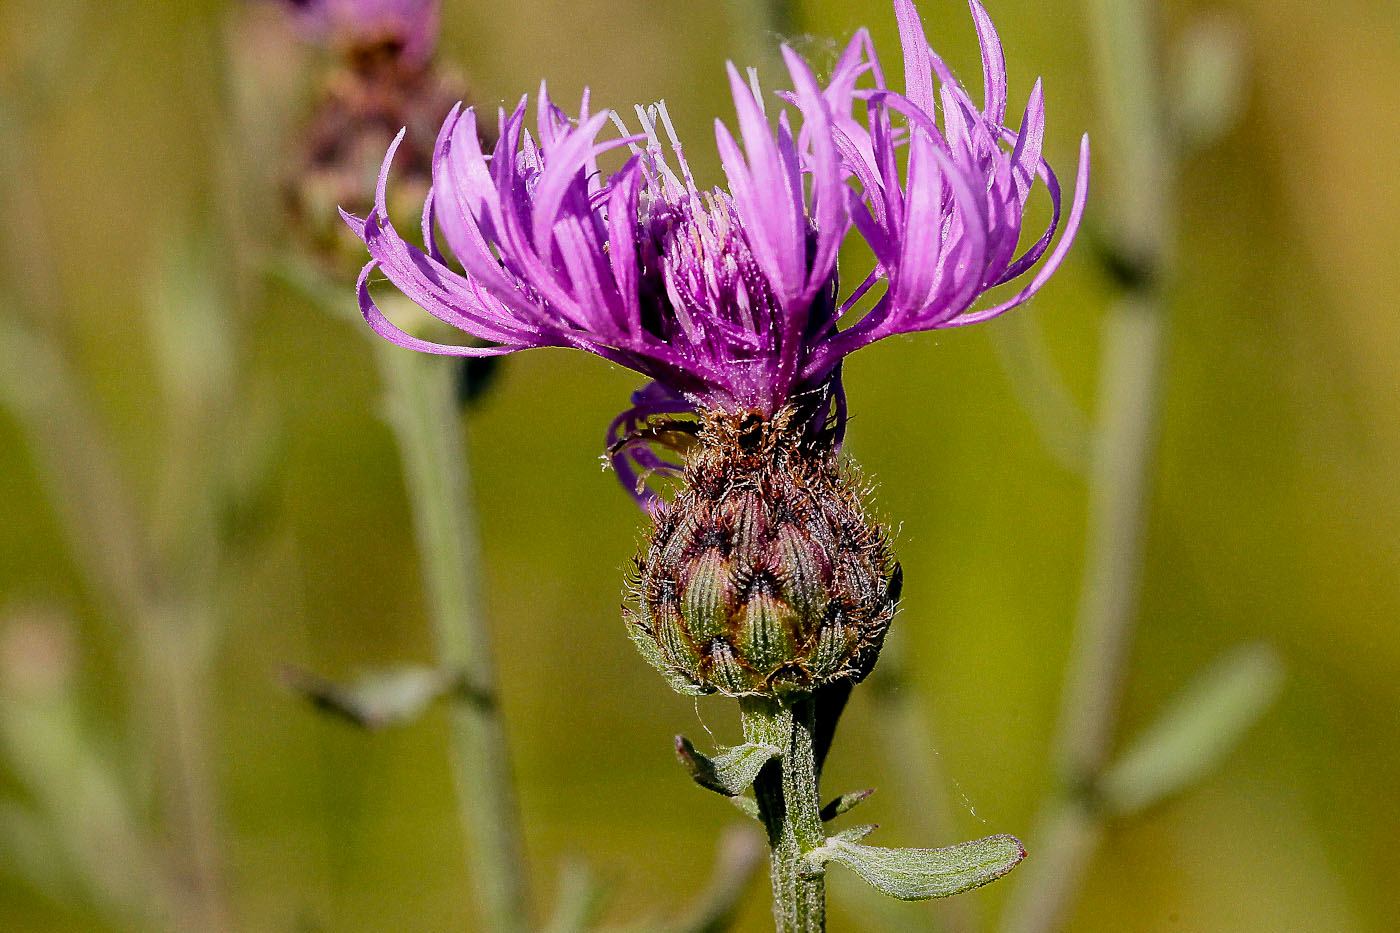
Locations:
{"points": [[358, 27]]}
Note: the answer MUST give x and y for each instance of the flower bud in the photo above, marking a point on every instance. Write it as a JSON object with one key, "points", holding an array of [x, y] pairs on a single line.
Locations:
{"points": [[764, 575], [362, 103]]}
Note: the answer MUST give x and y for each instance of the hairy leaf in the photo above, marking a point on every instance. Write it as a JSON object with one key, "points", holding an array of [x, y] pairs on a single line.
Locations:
{"points": [[918, 874]]}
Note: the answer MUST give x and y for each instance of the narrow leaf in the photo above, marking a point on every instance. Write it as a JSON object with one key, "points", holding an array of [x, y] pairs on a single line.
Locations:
{"points": [[379, 699], [919, 874], [844, 803], [1196, 730], [855, 833], [730, 773]]}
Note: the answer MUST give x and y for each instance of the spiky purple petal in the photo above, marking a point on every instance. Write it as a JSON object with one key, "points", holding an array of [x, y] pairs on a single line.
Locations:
{"points": [[727, 298]]}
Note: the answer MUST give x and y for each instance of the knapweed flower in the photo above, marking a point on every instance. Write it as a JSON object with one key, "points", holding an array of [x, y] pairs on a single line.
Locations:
{"points": [[409, 27], [763, 574]]}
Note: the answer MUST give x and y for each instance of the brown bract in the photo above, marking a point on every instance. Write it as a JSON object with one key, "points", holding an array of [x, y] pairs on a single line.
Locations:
{"points": [[764, 575]]}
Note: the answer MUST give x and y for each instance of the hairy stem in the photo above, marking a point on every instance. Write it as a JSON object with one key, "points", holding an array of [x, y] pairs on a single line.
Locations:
{"points": [[790, 808], [175, 676], [420, 396], [1121, 461]]}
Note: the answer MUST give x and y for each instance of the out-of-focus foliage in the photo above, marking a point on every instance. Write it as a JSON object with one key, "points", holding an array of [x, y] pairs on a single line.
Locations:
{"points": [[1275, 515]]}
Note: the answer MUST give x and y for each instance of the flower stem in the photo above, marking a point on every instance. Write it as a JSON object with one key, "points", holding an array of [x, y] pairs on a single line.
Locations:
{"points": [[790, 808], [1121, 461], [420, 397]]}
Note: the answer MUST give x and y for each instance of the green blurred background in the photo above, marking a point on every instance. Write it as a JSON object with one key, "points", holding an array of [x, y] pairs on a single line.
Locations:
{"points": [[144, 140]]}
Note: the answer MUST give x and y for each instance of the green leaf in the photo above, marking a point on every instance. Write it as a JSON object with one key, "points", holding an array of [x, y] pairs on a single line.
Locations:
{"points": [[854, 834], [378, 699], [1196, 730], [844, 803], [730, 773], [747, 806], [919, 874]]}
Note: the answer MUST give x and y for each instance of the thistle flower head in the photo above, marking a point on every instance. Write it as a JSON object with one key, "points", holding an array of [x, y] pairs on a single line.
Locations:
{"points": [[764, 574], [727, 297], [410, 27]]}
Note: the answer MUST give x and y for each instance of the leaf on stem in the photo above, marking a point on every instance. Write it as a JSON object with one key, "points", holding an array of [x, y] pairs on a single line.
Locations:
{"points": [[747, 806], [844, 804], [378, 699], [730, 773], [1196, 730], [919, 874]]}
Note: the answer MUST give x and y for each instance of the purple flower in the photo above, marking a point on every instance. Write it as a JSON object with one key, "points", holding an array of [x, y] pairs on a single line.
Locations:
{"points": [[728, 297], [410, 24]]}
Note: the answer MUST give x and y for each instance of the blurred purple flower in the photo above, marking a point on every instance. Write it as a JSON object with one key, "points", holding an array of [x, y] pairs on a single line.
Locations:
{"points": [[410, 24], [728, 297]]}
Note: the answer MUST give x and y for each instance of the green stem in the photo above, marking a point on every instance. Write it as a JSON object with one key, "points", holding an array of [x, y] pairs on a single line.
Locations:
{"points": [[168, 631], [1121, 462], [175, 678], [789, 805], [421, 402], [1120, 469], [760, 26]]}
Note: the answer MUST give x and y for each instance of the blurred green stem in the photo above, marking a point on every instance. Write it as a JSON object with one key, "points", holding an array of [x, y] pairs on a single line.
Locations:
{"points": [[1121, 465], [760, 26], [420, 393], [1121, 461], [101, 521], [789, 806], [176, 681]]}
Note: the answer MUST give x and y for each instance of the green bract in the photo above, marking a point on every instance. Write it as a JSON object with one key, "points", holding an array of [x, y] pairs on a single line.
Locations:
{"points": [[764, 575]]}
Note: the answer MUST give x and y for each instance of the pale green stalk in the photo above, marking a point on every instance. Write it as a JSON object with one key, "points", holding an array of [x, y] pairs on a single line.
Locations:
{"points": [[1121, 464], [114, 547], [420, 394], [790, 808]]}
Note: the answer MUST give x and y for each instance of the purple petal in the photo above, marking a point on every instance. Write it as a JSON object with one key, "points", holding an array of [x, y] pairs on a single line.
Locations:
{"points": [[993, 64], [1076, 213], [918, 61], [381, 326]]}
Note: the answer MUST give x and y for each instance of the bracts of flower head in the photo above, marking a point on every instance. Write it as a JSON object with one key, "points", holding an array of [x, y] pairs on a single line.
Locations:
{"points": [[765, 575]]}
